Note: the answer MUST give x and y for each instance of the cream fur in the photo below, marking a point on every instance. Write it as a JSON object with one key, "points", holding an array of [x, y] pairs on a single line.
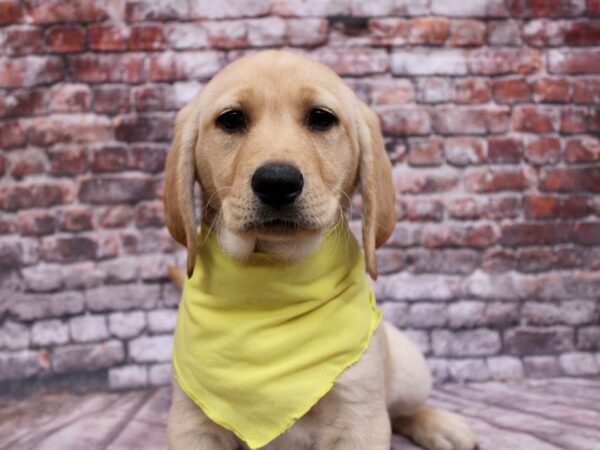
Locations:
{"points": [[388, 387]]}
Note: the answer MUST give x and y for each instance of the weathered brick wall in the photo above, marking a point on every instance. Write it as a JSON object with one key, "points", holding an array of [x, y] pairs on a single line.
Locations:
{"points": [[490, 109]]}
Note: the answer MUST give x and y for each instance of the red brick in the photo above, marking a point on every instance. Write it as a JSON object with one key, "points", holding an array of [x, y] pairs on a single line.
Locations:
{"points": [[68, 249], [266, 32], [33, 195], [505, 207], [571, 179], [292, 8], [594, 7], [43, 11], [184, 65], [582, 150], [65, 39], [543, 151], [573, 120], [109, 158], [574, 61], [405, 121], [11, 135], [498, 260], [515, 235], [595, 120], [76, 218], [353, 61], [21, 40], [544, 8], [68, 161], [2, 164], [586, 90], [307, 32], [551, 90], [532, 260], [141, 10], [147, 37], [587, 233], [504, 33], [117, 216], [108, 68], [147, 128], [467, 33], [70, 98], [420, 210], [499, 61], [513, 90], [27, 162], [149, 214], [126, 189], [487, 180], [149, 157], [453, 120], [391, 92], [465, 151], [477, 236], [544, 33], [388, 31], [534, 119], [111, 99], [30, 71], [540, 207], [425, 152], [429, 31], [573, 207], [10, 12], [504, 150], [434, 90], [472, 91], [583, 32], [108, 37], [36, 223], [25, 103], [417, 182], [156, 97], [227, 35], [50, 130], [465, 208], [8, 224]]}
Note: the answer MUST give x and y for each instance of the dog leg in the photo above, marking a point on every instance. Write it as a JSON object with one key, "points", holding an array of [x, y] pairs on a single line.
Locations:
{"points": [[190, 429], [435, 429], [409, 386]]}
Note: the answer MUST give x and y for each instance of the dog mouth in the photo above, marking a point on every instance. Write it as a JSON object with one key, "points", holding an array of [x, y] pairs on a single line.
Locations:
{"points": [[278, 225]]}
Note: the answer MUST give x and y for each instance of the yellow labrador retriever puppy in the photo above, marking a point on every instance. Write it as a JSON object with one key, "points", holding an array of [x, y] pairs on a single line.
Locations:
{"points": [[278, 143]]}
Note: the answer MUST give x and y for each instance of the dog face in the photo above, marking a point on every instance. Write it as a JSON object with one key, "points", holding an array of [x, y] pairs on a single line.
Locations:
{"points": [[277, 142]]}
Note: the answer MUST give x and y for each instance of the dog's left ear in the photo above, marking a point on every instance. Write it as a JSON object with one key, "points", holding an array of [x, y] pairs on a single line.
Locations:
{"points": [[180, 176], [375, 175]]}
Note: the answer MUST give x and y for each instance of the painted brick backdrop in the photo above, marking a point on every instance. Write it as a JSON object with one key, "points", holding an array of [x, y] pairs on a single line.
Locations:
{"points": [[490, 110]]}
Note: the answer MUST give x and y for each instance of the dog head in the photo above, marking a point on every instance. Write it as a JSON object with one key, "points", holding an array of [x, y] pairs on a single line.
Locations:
{"points": [[278, 144]]}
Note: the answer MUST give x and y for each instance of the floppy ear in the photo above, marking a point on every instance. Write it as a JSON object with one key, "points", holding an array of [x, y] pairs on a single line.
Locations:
{"points": [[180, 175], [375, 174]]}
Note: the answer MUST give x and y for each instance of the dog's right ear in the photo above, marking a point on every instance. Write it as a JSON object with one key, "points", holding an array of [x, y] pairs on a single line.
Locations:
{"points": [[180, 175]]}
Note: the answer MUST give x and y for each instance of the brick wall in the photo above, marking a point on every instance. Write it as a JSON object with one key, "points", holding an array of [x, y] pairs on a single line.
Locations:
{"points": [[490, 110]]}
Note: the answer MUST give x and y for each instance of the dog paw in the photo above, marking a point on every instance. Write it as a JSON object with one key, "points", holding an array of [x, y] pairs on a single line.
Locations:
{"points": [[435, 429]]}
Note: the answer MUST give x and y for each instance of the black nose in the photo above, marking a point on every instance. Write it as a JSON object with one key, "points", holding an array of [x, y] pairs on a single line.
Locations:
{"points": [[277, 184]]}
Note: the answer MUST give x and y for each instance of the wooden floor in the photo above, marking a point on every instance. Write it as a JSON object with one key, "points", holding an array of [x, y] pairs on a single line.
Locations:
{"points": [[532, 415]]}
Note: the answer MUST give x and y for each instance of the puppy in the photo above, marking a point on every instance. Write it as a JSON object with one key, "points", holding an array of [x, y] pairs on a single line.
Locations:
{"points": [[278, 143]]}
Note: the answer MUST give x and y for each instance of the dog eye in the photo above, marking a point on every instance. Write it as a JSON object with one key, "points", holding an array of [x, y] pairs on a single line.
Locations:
{"points": [[232, 121], [320, 120]]}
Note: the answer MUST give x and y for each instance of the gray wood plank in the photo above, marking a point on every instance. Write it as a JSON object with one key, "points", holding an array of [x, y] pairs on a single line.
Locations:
{"points": [[551, 431]]}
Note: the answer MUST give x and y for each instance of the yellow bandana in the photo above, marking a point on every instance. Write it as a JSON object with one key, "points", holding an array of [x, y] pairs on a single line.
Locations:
{"points": [[258, 343]]}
